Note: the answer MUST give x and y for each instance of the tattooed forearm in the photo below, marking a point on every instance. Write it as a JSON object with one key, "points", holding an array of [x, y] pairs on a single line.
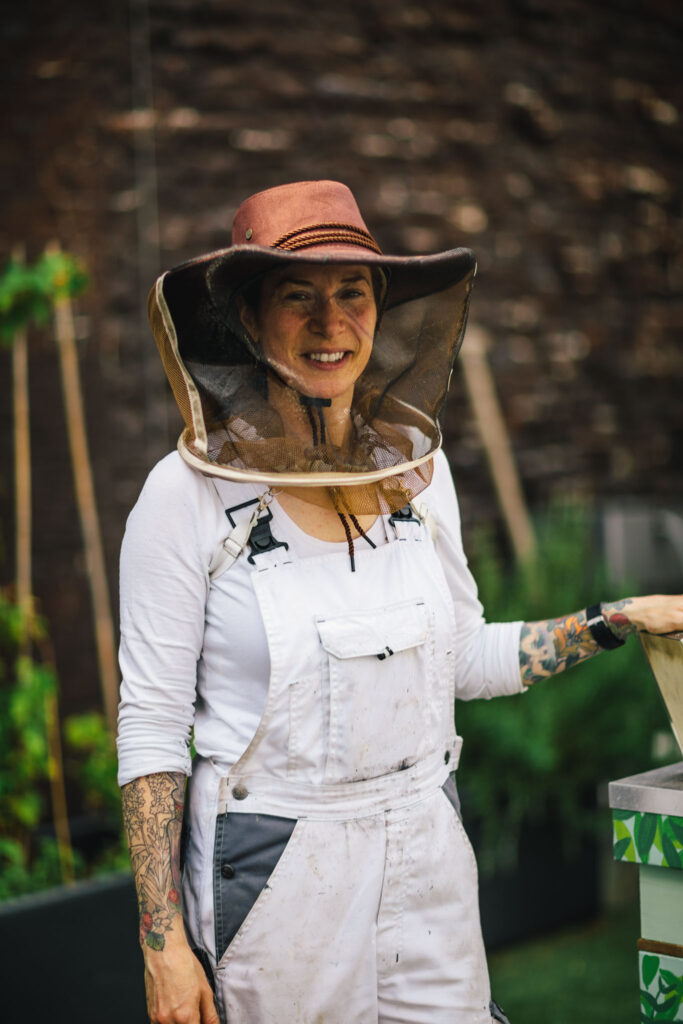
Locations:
{"points": [[546, 648], [152, 817]]}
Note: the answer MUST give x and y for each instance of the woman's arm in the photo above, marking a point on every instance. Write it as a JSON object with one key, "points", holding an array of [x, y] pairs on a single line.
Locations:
{"points": [[177, 989], [152, 817], [170, 538], [549, 647]]}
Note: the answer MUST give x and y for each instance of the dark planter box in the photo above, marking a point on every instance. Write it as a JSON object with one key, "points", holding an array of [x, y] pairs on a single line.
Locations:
{"points": [[547, 889], [71, 955]]}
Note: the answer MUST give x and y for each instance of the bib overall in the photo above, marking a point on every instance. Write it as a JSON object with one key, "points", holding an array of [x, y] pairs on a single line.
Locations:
{"points": [[328, 878]]}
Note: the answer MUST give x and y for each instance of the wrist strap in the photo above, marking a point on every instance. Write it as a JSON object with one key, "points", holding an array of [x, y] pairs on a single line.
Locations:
{"points": [[600, 631]]}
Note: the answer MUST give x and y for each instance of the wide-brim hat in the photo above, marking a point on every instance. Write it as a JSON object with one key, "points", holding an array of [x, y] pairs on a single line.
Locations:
{"points": [[310, 222], [223, 381]]}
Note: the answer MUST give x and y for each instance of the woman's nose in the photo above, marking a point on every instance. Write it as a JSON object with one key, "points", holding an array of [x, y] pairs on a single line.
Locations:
{"points": [[327, 317]]}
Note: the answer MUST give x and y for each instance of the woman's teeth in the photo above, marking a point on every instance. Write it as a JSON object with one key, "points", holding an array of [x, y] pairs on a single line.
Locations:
{"points": [[326, 357]]}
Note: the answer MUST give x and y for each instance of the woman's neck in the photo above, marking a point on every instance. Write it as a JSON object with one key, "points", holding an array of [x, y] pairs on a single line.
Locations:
{"points": [[301, 420]]}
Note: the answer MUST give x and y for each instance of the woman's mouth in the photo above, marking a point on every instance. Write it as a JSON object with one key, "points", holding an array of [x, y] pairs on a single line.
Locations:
{"points": [[327, 358]]}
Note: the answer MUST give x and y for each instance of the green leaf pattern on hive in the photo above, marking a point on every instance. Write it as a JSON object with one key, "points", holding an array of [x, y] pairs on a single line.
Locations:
{"points": [[644, 838], [661, 987]]}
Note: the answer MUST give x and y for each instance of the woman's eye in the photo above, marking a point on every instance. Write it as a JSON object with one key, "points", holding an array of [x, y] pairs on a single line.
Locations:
{"points": [[297, 296]]}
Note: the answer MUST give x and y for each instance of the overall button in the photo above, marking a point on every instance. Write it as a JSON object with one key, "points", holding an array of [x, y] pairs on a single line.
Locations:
{"points": [[240, 792], [447, 757], [227, 870]]}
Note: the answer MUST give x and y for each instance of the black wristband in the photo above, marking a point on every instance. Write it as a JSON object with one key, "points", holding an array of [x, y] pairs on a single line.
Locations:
{"points": [[600, 631]]}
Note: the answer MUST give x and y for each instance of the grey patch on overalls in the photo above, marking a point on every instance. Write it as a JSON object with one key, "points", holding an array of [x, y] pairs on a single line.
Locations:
{"points": [[246, 851], [497, 1013], [451, 790]]}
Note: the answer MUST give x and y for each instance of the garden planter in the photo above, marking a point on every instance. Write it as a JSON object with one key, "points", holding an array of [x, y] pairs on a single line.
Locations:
{"points": [[70, 955], [549, 887]]}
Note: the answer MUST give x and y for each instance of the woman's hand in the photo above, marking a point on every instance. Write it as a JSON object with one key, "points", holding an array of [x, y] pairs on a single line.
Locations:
{"points": [[176, 986], [656, 613]]}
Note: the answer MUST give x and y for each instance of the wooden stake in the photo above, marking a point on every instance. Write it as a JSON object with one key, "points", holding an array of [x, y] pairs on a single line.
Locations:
{"points": [[22, 461], [87, 508], [55, 770], [482, 393]]}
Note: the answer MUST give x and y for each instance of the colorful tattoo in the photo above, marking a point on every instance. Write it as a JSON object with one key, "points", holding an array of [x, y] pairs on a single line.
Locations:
{"points": [[152, 817], [615, 617], [546, 648]]}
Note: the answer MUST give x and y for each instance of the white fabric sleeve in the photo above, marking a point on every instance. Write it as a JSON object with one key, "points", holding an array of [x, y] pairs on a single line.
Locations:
{"points": [[486, 654], [163, 589]]}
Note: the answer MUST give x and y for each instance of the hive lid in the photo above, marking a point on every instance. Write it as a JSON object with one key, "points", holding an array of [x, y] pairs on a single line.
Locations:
{"points": [[665, 654]]}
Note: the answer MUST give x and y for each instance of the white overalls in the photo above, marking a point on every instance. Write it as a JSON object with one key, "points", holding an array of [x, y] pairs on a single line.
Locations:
{"points": [[328, 877]]}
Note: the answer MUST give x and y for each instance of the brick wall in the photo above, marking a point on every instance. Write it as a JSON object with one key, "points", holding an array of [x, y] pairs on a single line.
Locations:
{"points": [[546, 136]]}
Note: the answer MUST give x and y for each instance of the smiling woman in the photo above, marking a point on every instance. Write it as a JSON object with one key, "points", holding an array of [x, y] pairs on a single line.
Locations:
{"points": [[316, 327], [327, 875], [306, 357]]}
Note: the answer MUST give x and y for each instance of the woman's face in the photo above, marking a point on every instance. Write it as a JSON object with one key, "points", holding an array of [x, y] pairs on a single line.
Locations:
{"points": [[315, 325]]}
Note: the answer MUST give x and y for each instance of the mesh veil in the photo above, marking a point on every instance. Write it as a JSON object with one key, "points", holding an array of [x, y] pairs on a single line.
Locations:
{"points": [[223, 386]]}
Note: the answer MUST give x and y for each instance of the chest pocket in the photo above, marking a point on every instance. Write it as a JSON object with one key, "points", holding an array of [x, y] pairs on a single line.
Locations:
{"points": [[381, 690]]}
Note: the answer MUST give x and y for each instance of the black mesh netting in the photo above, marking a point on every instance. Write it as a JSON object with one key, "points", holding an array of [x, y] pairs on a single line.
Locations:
{"points": [[227, 390]]}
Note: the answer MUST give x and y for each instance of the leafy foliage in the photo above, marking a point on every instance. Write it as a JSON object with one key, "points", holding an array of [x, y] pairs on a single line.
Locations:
{"points": [[25, 688], [28, 688], [88, 736], [27, 292], [29, 862], [546, 750], [95, 765]]}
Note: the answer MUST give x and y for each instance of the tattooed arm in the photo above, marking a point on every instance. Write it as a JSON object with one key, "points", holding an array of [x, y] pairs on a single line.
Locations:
{"points": [[177, 990], [546, 648]]}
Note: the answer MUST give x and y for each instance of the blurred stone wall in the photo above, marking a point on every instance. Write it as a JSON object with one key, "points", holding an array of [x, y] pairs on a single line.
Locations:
{"points": [[545, 135]]}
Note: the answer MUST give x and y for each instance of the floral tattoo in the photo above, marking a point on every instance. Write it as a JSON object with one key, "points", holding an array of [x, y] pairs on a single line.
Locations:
{"points": [[616, 618], [546, 648], [152, 817]]}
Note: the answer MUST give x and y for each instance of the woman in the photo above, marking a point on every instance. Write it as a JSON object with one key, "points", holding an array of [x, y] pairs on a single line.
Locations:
{"points": [[294, 588]]}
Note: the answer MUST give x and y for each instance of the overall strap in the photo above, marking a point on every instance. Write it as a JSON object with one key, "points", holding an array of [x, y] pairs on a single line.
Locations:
{"points": [[408, 520], [250, 524], [421, 510]]}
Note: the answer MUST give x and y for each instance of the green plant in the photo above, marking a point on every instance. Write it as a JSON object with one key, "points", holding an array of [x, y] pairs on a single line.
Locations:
{"points": [[30, 742], [88, 736], [27, 690], [95, 766], [546, 751], [27, 292]]}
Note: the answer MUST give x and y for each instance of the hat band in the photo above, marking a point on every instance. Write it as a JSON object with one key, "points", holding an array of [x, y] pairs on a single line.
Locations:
{"points": [[326, 234]]}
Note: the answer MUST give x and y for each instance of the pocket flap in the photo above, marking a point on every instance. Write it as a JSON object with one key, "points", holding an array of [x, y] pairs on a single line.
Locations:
{"points": [[380, 631]]}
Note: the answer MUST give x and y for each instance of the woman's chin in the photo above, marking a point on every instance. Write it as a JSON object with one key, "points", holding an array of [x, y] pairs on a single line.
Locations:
{"points": [[329, 390], [322, 384]]}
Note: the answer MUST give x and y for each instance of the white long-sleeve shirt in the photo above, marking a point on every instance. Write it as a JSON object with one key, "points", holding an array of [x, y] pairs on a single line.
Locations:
{"points": [[193, 654]]}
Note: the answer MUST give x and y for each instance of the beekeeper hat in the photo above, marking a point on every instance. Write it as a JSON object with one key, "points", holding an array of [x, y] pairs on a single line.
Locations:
{"points": [[220, 377]]}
